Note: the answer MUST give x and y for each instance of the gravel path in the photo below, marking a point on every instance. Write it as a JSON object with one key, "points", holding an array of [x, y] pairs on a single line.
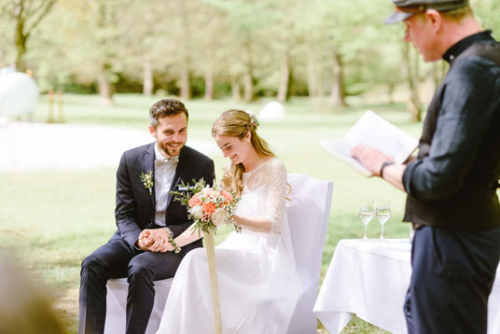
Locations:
{"points": [[37, 146]]}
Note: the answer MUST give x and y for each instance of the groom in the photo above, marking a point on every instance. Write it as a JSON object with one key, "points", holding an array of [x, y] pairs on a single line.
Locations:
{"points": [[143, 206]]}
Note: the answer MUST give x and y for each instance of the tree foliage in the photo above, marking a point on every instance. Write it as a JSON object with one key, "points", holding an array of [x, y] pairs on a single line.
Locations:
{"points": [[327, 49]]}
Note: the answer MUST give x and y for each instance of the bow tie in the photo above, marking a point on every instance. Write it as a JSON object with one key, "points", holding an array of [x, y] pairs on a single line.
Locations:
{"points": [[166, 162]]}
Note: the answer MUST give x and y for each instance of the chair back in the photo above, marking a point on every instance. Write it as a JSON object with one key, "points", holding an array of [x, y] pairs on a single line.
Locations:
{"points": [[308, 213]]}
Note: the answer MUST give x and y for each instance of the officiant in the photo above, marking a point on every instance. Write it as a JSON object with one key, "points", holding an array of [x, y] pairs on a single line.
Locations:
{"points": [[452, 183]]}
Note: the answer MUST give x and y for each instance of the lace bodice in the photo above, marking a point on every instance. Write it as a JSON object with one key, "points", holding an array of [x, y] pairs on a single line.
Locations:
{"points": [[257, 267], [272, 174]]}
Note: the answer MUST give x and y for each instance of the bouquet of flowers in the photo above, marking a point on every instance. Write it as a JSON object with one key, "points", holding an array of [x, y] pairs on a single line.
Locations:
{"points": [[207, 206]]}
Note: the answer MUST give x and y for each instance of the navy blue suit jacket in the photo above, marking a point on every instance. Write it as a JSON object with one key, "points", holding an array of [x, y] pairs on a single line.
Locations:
{"points": [[135, 207]]}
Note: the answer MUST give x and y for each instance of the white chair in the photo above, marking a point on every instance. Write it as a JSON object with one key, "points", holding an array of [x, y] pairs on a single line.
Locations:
{"points": [[116, 305], [308, 213]]}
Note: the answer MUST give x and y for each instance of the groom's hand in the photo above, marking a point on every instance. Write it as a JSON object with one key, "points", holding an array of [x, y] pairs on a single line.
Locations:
{"points": [[160, 240], [145, 240]]}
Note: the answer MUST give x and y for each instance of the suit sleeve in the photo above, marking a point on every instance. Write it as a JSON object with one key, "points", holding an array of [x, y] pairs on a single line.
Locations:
{"points": [[209, 177], [126, 206]]}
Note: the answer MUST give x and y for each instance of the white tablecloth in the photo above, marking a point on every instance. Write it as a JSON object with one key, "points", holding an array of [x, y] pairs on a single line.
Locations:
{"points": [[370, 279]]}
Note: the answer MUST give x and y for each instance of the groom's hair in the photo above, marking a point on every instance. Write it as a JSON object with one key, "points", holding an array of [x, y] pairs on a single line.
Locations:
{"points": [[166, 107]]}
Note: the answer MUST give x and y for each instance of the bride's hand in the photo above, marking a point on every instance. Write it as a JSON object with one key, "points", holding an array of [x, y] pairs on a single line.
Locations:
{"points": [[167, 247]]}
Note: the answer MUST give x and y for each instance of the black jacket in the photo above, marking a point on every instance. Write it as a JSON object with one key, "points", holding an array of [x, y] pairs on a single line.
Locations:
{"points": [[454, 180], [135, 207]]}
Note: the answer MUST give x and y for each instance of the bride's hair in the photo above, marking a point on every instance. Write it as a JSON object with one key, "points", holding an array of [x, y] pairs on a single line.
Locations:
{"points": [[237, 123]]}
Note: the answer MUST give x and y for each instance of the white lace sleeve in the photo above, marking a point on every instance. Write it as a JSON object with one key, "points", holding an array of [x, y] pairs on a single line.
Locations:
{"points": [[276, 194]]}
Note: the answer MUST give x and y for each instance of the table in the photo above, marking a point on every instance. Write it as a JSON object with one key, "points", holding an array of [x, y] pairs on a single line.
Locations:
{"points": [[370, 278]]}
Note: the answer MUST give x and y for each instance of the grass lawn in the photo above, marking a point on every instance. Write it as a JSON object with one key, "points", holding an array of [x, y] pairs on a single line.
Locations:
{"points": [[50, 220]]}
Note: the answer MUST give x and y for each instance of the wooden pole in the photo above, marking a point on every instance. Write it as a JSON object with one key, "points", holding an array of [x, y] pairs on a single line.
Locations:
{"points": [[214, 284]]}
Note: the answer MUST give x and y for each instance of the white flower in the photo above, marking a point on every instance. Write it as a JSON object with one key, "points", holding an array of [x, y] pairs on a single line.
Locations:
{"points": [[220, 216], [196, 211]]}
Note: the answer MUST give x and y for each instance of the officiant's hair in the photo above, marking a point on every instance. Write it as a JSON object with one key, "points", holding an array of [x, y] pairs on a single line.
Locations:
{"points": [[237, 123], [166, 107]]}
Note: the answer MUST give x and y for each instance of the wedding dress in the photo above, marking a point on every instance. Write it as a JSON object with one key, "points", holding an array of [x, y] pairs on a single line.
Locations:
{"points": [[258, 281]]}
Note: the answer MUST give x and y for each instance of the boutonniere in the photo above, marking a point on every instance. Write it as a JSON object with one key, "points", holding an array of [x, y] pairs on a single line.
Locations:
{"points": [[147, 180]]}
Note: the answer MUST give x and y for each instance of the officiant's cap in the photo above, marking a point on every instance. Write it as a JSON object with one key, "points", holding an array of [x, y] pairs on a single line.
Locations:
{"points": [[407, 8]]}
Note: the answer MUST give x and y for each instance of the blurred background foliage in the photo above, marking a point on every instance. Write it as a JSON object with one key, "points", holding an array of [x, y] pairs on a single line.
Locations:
{"points": [[244, 49], [327, 60]]}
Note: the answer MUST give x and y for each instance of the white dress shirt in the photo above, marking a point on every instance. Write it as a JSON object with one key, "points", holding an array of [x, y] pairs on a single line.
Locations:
{"points": [[164, 176]]}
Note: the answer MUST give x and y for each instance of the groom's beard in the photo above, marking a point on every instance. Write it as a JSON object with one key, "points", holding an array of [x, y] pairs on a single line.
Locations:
{"points": [[171, 151]]}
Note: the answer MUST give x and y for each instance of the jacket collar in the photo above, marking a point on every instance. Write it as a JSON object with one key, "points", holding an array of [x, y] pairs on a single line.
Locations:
{"points": [[180, 171]]}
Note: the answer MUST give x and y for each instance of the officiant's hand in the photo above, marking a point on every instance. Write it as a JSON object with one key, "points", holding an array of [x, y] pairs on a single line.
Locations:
{"points": [[371, 158]]}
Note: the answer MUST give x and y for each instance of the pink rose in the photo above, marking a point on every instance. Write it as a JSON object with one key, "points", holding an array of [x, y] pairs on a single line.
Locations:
{"points": [[209, 208], [195, 200]]}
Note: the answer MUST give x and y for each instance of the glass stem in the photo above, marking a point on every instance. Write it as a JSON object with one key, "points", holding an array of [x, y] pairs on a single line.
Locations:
{"points": [[382, 233], [365, 238]]}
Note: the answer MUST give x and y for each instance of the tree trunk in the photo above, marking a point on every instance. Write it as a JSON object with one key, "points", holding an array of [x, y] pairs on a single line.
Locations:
{"points": [[185, 85], [24, 12], [284, 88], [390, 92], [338, 89], [315, 83], [411, 63], [147, 81], [248, 93], [311, 75], [314, 76], [236, 89], [185, 74], [209, 83], [248, 87], [104, 86], [21, 40]]}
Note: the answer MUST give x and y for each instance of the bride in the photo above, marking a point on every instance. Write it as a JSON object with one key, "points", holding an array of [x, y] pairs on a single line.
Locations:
{"points": [[258, 280]]}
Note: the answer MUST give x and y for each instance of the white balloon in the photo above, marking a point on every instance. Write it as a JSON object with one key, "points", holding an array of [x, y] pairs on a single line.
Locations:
{"points": [[19, 94]]}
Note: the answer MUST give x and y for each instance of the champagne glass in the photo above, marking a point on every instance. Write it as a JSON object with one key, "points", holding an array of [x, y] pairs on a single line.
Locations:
{"points": [[383, 212], [366, 213]]}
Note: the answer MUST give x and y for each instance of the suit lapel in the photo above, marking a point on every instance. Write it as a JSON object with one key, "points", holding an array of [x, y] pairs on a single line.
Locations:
{"points": [[149, 165]]}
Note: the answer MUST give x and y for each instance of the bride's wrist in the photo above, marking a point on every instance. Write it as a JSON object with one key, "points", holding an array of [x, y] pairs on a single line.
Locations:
{"points": [[237, 219]]}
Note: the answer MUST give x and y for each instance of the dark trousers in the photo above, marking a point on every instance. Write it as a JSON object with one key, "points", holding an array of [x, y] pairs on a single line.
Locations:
{"points": [[453, 274], [117, 259]]}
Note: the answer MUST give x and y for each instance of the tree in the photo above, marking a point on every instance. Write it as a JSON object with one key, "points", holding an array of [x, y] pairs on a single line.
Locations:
{"points": [[94, 43], [246, 41], [27, 15]]}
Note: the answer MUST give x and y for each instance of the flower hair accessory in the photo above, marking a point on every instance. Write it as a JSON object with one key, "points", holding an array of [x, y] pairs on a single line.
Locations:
{"points": [[254, 122]]}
